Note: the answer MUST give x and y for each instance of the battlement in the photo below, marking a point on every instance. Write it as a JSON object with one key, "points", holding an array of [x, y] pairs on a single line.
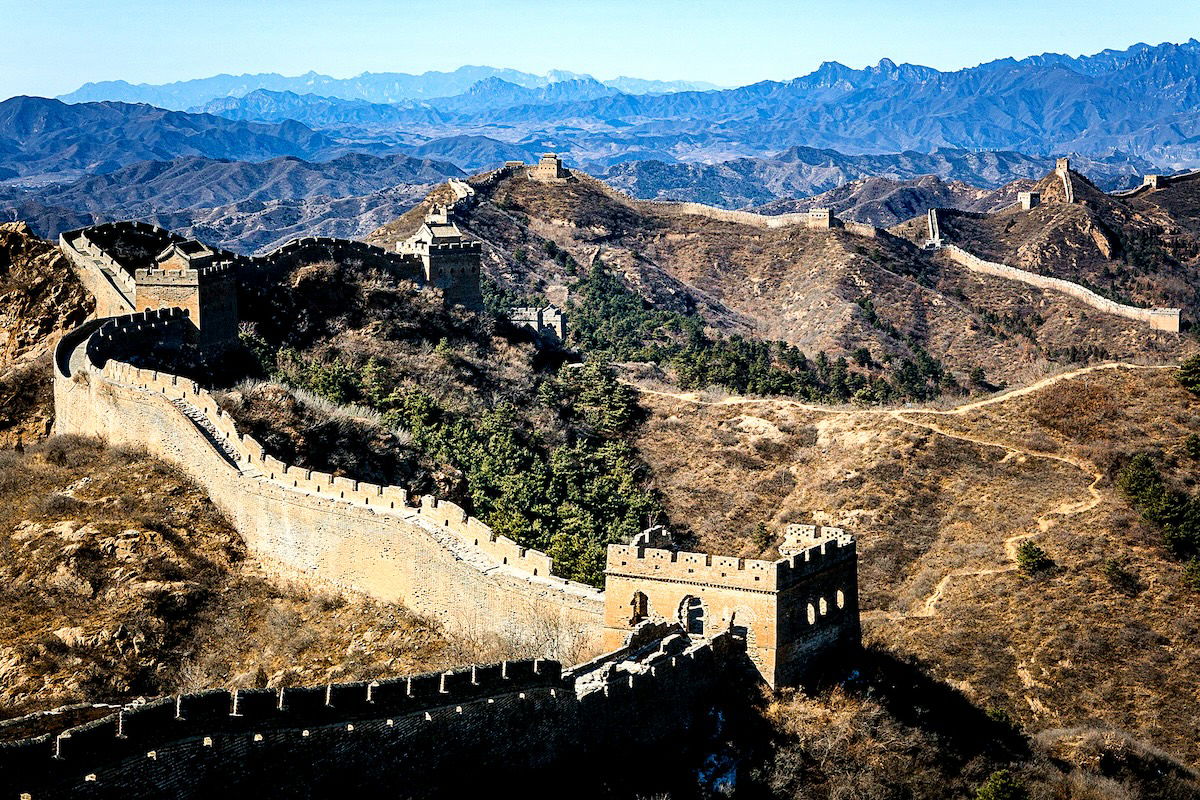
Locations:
{"points": [[406, 735], [833, 549], [701, 568], [185, 277]]}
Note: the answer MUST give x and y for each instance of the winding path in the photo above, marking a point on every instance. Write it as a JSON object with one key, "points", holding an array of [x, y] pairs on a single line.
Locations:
{"points": [[1045, 522]]}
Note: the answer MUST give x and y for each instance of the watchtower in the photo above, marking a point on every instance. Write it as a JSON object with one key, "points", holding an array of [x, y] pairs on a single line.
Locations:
{"points": [[187, 275], [449, 260], [794, 612], [548, 170], [1062, 166], [821, 218], [1029, 200]]}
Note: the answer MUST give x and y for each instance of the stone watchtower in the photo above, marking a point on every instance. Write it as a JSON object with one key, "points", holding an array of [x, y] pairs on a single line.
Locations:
{"points": [[820, 218], [794, 612], [548, 170], [186, 275], [450, 261]]}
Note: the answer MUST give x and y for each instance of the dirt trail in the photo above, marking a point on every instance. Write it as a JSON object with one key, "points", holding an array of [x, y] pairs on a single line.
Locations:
{"points": [[1045, 522]]}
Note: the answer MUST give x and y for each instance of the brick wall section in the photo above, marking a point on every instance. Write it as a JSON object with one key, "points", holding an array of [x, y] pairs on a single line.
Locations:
{"points": [[422, 735], [1159, 319], [430, 556], [721, 214]]}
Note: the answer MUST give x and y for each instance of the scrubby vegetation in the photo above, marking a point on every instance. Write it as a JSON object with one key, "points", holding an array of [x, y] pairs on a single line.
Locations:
{"points": [[386, 384], [1175, 512], [611, 322]]}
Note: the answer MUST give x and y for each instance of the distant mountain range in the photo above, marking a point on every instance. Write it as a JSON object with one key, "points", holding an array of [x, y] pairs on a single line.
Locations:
{"points": [[236, 203], [800, 172], [1144, 101], [378, 87], [41, 137]]}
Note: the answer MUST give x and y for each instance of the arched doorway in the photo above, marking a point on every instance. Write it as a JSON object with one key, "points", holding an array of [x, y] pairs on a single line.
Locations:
{"points": [[691, 615], [640, 608]]}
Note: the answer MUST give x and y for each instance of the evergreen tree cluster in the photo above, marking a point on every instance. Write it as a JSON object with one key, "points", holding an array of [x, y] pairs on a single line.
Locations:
{"points": [[568, 498], [610, 322]]}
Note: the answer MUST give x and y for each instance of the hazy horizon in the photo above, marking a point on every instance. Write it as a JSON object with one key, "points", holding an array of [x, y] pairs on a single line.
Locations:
{"points": [[141, 41]]}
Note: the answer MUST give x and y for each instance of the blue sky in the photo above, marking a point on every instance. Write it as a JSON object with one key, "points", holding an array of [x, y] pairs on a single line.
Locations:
{"points": [[51, 47]]}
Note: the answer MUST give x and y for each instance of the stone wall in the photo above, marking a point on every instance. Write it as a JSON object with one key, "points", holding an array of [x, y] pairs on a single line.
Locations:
{"points": [[1159, 319], [801, 218], [429, 556], [518, 723]]}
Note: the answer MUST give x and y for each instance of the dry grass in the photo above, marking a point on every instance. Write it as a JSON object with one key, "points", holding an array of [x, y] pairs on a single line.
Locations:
{"points": [[1068, 648], [120, 578]]}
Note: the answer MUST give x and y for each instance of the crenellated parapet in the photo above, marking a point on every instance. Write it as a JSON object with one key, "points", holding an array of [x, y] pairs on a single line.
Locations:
{"points": [[414, 735], [425, 553]]}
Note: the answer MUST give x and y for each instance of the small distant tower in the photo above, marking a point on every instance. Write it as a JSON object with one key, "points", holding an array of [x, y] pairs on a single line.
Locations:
{"points": [[450, 261], [548, 170], [821, 218], [187, 275], [548, 322], [1062, 166], [1155, 182], [1029, 199]]}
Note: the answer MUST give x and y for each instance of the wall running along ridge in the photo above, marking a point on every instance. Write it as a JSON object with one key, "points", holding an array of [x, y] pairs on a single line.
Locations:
{"points": [[429, 556], [428, 735], [1159, 319], [721, 214]]}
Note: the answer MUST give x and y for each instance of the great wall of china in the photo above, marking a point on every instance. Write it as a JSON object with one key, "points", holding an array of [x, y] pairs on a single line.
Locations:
{"points": [[667, 625], [671, 621], [430, 734], [1159, 319]]}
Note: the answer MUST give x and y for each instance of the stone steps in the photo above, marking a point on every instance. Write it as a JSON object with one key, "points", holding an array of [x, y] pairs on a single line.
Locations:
{"points": [[201, 421]]}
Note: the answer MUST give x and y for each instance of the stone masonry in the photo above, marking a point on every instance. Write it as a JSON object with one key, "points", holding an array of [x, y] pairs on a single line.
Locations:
{"points": [[793, 613], [548, 170]]}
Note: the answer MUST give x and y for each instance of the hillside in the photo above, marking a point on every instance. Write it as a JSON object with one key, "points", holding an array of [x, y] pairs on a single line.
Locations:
{"points": [[40, 298], [1108, 244], [800, 172], [941, 502], [828, 292], [121, 579], [884, 202]]}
